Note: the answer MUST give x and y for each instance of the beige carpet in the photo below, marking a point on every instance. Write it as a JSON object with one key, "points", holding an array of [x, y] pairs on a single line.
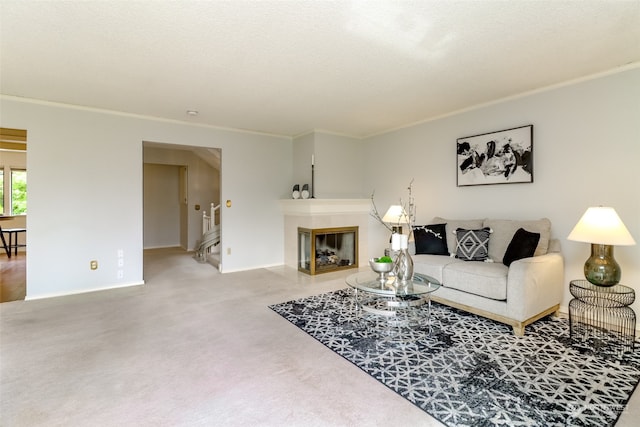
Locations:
{"points": [[191, 347]]}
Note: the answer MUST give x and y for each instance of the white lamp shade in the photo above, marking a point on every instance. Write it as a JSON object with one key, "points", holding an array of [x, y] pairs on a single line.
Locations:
{"points": [[601, 225], [395, 215]]}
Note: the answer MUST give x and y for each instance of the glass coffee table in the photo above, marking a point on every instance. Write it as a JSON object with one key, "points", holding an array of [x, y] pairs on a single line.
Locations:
{"points": [[389, 298]]}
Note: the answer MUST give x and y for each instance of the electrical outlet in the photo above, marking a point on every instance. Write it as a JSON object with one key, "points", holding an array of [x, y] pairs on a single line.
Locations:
{"points": [[120, 274], [120, 253], [120, 262], [93, 264]]}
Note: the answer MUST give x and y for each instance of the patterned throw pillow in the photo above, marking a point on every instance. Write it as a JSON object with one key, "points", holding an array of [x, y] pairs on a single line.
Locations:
{"points": [[430, 239], [472, 245]]}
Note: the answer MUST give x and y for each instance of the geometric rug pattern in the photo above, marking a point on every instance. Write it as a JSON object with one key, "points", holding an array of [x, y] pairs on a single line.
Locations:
{"points": [[465, 370]]}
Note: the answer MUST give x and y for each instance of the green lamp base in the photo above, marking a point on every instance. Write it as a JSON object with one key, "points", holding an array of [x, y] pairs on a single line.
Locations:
{"points": [[601, 268]]}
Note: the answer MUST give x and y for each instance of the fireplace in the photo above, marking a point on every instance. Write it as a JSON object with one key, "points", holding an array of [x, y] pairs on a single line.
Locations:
{"points": [[314, 214], [321, 250]]}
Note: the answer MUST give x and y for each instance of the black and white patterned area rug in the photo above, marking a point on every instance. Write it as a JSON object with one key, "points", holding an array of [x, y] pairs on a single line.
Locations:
{"points": [[466, 370]]}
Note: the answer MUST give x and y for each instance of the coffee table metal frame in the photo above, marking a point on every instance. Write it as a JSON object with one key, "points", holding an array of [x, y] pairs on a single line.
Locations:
{"points": [[386, 297]]}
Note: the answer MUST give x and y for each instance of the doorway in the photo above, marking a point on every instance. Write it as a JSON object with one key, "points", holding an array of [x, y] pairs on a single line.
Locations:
{"points": [[180, 184], [13, 212]]}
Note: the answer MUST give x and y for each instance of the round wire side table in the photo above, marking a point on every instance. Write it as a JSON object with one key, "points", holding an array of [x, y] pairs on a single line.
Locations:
{"points": [[600, 317]]}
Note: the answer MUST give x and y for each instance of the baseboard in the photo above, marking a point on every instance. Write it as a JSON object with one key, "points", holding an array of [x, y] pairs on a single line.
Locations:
{"points": [[237, 270], [164, 247], [84, 291]]}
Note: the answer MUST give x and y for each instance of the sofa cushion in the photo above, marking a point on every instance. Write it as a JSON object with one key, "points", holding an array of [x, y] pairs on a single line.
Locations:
{"points": [[432, 265], [472, 245], [430, 239], [484, 279], [453, 224], [504, 230], [523, 245]]}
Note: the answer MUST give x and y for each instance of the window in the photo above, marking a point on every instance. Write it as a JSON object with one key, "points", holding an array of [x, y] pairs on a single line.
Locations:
{"points": [[18, 192], [13, 181]]}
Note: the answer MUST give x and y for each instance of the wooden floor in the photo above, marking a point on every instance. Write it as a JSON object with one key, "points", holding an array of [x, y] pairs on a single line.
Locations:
{"points": [[13, 277]]}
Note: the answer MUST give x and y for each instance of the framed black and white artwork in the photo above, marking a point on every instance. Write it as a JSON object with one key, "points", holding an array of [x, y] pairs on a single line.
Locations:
{"points": [[502, 157]]}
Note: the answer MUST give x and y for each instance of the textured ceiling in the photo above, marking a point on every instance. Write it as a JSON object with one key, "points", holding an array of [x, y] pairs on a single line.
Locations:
{"points": [[288, 67]]}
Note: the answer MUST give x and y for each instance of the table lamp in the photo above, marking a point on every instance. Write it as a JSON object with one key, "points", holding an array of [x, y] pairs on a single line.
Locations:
{"points": [[603, 228], [395, 216]]}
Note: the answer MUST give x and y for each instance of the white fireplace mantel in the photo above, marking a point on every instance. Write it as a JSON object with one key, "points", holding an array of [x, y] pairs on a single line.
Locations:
{"points": [[311, 207]]}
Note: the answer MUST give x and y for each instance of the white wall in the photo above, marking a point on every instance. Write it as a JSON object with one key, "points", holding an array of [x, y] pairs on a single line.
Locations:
{"points": [[85, 179], [586, 153], [161, 206], [85, 193], [303, 149], [338, 168]]}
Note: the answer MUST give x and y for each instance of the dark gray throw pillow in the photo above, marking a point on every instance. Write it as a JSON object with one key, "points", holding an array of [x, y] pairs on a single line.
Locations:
{"points": [[472, 245], [430, 239], [522, 245]]}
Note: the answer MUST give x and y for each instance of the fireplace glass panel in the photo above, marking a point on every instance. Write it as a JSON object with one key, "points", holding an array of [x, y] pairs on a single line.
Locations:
{"points": [[321, 250]]}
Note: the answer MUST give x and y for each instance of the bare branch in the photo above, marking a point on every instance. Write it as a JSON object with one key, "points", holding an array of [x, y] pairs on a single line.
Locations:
{"points": [[408, 210], [374, 213]]}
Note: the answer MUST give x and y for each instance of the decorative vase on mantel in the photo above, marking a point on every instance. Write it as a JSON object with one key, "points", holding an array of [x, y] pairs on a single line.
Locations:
{"points": [[403, 264]]}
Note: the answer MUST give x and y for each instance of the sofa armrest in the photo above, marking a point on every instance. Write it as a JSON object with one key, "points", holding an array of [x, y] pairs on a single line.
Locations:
{"points": [[534, 285]]}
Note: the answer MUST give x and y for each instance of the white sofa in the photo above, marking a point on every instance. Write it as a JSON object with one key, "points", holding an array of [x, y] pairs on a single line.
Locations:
{"points": [[519, 294]]}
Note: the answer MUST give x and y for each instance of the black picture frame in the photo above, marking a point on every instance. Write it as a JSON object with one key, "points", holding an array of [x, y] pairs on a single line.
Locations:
{"points": [[501, 157]]}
